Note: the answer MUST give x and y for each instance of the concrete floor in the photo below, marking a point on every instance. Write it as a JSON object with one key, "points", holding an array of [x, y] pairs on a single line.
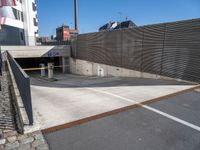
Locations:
{"points": [[138, 129], [75, 97]]}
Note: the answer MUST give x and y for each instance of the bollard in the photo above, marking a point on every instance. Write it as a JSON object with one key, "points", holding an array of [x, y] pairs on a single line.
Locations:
{"points": [[42, 70], [50, 71]]}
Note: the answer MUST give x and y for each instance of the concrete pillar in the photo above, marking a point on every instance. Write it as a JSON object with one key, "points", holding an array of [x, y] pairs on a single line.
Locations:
{"points": [[42, 70], [50, 71], [64, 64]]}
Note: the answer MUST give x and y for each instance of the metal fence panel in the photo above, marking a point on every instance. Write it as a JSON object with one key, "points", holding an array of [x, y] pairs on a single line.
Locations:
{"points": [[132, 48], [168, 49], [181, 56]]}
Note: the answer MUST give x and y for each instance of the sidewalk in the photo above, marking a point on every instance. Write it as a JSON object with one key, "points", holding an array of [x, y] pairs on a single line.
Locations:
{"points": [[6, 110], [10, 139]]}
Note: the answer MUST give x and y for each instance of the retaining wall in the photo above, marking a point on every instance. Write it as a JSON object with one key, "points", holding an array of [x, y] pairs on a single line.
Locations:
{"points": [[83, 67]]}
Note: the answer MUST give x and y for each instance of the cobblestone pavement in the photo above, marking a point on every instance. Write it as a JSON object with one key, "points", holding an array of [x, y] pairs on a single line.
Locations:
{"points": [[11, 140], [6, 111], [6, 118]]}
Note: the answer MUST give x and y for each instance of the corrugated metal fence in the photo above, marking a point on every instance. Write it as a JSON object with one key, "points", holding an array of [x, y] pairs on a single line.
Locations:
{"points": [[168, 49]]}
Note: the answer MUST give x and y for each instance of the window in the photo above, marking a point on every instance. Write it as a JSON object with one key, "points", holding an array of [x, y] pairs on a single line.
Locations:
{"points": [[21, 16], [18, 14], [35, 22], [22, 36], [34, 7]]}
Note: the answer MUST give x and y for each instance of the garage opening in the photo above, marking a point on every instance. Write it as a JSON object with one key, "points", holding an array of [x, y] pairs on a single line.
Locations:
{"points": [[34, 63]]}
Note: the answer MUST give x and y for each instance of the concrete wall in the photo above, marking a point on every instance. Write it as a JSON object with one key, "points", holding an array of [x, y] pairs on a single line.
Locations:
{"points": [[82, 67], [21, 117], [37, 51]]}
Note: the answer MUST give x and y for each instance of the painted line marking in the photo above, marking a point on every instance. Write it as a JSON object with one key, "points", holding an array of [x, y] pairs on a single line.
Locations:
{"points": [[151, 109], [112, 112]]}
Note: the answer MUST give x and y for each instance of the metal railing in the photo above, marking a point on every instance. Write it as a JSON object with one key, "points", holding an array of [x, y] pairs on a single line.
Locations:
{"points": [[23, 84]]}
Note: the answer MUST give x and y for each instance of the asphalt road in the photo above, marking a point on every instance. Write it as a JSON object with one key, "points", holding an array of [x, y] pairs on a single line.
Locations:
{"points": [[170, 124]]}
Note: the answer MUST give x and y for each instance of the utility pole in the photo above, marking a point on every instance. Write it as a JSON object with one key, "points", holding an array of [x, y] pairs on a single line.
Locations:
{"points": [[76, 14]]}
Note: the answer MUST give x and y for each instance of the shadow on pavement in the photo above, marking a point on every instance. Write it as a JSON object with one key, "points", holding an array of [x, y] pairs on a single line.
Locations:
{"points": [[76, 81]]}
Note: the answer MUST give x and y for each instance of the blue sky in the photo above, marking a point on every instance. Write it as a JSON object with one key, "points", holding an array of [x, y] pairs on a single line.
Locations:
{"points": [[94, 13]]}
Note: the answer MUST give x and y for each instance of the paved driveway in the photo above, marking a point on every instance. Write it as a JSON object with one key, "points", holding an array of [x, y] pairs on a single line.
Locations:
{"points": [[170, 124], [73, 97]]}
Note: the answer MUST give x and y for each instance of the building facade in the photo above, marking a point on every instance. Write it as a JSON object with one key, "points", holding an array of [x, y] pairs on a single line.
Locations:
{"points": [[19, 22], [64, 33]]}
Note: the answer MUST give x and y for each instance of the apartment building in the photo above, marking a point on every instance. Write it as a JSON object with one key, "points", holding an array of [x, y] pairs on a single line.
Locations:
{"points": [[19, 22]]}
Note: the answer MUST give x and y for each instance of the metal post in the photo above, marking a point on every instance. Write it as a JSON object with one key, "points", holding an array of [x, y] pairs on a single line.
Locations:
{"points": [[42, 66], [64, 68], [76, 14], [50, 71]]}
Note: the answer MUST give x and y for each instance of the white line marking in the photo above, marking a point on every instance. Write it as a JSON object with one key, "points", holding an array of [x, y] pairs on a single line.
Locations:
{"points": [[151, 109]]}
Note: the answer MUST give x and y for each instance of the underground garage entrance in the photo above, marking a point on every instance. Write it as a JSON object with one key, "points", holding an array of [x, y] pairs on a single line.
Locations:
{"points": [[33, 65]]}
